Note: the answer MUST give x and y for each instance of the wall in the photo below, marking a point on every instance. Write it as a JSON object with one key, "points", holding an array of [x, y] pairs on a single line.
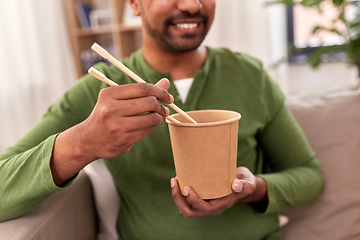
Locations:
{"points": [[302, 77]]}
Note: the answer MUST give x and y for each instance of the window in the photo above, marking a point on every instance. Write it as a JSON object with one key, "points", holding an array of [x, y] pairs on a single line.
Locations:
{"points": [[301, 22]]}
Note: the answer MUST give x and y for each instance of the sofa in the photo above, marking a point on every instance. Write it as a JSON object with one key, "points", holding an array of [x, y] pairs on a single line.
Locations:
{"points": [[69, 214], [331, 121]]}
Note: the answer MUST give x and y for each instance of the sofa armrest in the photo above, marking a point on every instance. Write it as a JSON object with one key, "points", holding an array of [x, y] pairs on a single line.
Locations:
{"points": [[68, 214]]}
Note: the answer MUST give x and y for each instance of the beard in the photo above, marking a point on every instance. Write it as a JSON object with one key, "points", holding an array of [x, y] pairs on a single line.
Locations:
{"points": [[184, 43]]}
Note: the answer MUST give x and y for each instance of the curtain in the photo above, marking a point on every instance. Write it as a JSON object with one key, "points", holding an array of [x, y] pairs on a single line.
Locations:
{"points": [[253, 28], [36, 63]]}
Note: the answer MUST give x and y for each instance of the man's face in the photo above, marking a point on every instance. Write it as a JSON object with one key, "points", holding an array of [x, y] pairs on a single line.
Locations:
{"points": [[177, 25]]}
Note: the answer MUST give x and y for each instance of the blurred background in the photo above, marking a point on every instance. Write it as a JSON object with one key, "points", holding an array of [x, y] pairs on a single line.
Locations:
{"points": [[44, 48]]}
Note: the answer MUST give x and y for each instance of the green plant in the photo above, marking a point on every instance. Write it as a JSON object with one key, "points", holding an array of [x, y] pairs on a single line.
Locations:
{"points": [[351, 33]]}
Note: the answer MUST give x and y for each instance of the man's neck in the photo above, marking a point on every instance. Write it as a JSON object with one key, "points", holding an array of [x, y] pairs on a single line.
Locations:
{"points": [[179, 65]]}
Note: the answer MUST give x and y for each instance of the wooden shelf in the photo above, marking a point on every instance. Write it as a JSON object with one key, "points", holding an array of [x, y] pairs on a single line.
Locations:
{"points": [[122, 38], [107, 30], [92, 32], [129, 28]]}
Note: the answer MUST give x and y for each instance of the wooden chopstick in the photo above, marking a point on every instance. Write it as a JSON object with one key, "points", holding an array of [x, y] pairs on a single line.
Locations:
{"points": [[102, 52], [99, 75]]}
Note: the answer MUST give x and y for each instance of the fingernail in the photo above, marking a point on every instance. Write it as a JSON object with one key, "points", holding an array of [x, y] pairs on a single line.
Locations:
{"points": [[186, 191], [238, 185], [171, 98], [172, 182], [167, 111]]}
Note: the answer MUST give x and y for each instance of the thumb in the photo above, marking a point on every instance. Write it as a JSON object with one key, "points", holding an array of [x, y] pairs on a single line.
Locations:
{"points": [[237, 185]]}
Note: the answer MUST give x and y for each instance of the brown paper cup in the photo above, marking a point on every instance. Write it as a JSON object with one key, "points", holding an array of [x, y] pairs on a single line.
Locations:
{"points": [[205, 154]]}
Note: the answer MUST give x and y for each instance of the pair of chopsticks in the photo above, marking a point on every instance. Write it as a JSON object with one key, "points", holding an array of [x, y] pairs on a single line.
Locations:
{"points": [[102, 52]]}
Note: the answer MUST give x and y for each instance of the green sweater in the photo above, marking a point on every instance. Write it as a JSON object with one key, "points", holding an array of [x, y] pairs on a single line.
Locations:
{"points": [[231, 81]]}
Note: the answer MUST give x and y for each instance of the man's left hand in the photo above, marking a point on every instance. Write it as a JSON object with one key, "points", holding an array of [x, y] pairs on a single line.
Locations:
{"points": [[246, 188]]}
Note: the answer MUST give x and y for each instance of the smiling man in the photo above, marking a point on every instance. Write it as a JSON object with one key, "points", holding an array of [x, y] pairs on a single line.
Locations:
{"points": [[124, 125]]}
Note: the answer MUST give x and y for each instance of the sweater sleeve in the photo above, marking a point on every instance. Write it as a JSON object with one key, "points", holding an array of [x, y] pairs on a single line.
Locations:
{"points": [[26, 180], [296, 177], [25, 174]]}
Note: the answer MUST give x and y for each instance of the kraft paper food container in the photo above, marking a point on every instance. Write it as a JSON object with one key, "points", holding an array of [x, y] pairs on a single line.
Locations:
{"points": [[205, 154]]}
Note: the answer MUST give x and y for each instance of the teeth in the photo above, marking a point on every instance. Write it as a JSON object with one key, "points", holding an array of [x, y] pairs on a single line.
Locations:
{"points": [[186, 25]]}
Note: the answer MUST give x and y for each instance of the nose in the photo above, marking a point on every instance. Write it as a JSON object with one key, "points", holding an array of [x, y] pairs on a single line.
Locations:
{"points": [[191, 6]]}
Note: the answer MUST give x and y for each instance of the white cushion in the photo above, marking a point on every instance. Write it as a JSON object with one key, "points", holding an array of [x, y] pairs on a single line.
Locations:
{"points": [[106, 199]]}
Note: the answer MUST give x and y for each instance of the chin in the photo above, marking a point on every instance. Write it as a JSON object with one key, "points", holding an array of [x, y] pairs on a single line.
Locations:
{"points": [[183, 47]]}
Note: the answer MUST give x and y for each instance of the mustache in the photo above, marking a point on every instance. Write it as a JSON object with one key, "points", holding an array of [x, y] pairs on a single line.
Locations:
{"points": [[185, 15]]}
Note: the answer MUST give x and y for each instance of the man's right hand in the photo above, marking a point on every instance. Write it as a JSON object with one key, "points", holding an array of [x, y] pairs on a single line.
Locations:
{"points": [[118, 120], [122, 116]]}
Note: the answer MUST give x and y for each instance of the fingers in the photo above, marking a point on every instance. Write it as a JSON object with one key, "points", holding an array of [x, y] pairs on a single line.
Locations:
{"points": [[135, 99], [195, 202], [243, 186], [139, 90], [120, 143], [249, 187], [237, 185], [192, 206], [181, 202], [244, 182], [138, 106], [130, 130], [124, 115], [141, 122], [163, 83], [244, 173], [211, 207], [137, 135]]}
